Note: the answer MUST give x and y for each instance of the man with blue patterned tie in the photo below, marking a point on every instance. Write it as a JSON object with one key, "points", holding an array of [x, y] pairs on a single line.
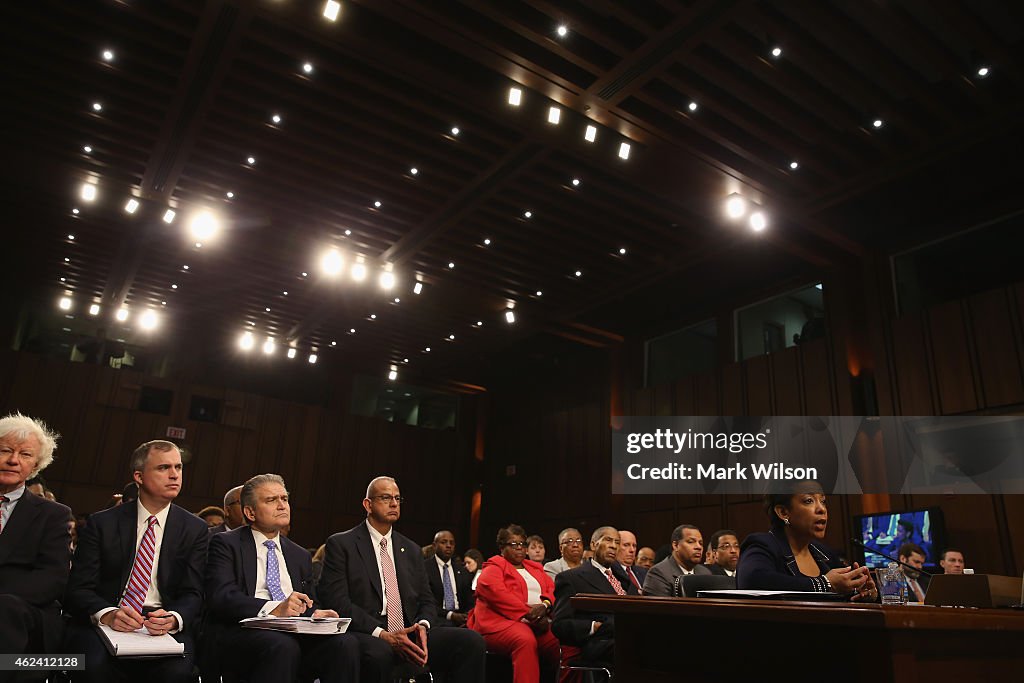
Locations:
{"points": [[255, 570], [450, 583], [139, 566]]}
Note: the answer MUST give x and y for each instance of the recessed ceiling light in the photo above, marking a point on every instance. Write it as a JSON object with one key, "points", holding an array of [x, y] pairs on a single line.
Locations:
{"points": [[331, 9], [185, 267], [562, 30], [307, 68], [292, 351], [373, 316], [67, 260], [579, 273], [735, 206], [108, 55], [392, 374], [758, 221], [63, 279], [983, 71], [132, 206], [75, 211], [479, 323], [348, 233], [397, 300], [451, 337], [163, 303], [96, 106], [312, 359], [122, 314], [358, 272], [427, 349], [284, 293], [352, 330], [199, 245], [776, 52], [414, 170], [877, 123], [794, 165], [387, 279], [268, 346], [65, 303], [334, 343], [451, 264], [94, 309], [622, 251], [169, 216], [417, 288], [575, 182], [71, 237], [87, 149], [540, 293], [148, 321], [276, 118], [377, 204], [88, 192], [250, 160], [692, 106], [624, 150], [174, 286], [203, 226], [510, 316], [590, 134], [229, 195], [305, 274], [554, 115], [515, 96], [405, 360], [528, 214], [267, 309], [331, 262], [455, 130], [487, 241]]}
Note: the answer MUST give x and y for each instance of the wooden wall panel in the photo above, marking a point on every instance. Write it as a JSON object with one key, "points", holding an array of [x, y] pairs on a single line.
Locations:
{"points": [[759, 386], [707, 395], [910, 367], [953, 368], [786, 381], [815, 378], [732, 391], [998, 349], [685, 397]]}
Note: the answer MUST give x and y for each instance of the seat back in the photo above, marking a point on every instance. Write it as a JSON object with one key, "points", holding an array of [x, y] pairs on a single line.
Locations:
{"points": [[706, 582]]}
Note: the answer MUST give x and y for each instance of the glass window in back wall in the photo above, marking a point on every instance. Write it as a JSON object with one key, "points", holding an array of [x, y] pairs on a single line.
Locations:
{"points": [[779, 323]]}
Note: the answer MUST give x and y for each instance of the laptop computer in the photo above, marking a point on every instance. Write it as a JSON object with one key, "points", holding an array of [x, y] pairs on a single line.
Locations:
{"points": [[973, 590]]}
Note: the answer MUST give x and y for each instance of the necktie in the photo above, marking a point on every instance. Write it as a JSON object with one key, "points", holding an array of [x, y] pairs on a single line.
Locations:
{"points": [[142, 570], [273, 572], [449, 594], [632, 578], [614, 582], [396, 621], [3, 499], [918, 593]]}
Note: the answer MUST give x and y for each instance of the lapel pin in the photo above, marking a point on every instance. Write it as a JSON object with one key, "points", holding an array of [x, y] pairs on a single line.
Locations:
{"points": [[401, 550]]}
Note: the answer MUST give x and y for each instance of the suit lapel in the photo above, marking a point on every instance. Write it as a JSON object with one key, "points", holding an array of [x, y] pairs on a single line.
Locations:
{"points": [[248, 550], [367, 553], [172, 532], [127, 523], [22, 519], [596, 579], [293, 561]]}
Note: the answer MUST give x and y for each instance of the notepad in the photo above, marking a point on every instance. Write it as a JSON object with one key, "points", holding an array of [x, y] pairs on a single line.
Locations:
{"points": [[139, 643], [324, 626]]}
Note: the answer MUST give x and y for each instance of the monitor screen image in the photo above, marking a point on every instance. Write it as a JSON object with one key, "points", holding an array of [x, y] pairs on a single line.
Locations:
{"points": [[885, 532]]}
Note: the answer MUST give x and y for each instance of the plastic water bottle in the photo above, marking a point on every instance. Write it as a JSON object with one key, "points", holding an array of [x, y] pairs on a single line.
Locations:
{"points": [[894, 585]]}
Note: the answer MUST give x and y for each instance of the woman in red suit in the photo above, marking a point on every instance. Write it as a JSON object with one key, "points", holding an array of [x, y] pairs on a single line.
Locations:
{"points": [[513, 603]]}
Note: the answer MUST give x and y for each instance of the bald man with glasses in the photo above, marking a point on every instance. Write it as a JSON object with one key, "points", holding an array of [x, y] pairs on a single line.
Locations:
{"points": [[570, 544]]}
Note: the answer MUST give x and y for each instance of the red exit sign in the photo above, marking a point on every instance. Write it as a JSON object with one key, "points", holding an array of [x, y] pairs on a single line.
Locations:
{"points": [[175, 432]]}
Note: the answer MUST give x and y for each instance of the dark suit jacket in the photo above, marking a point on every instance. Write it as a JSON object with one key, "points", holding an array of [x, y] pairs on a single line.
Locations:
{"points": [[106, 551], [639, 572], [231, 574], [463, 586], [717, 569], [767, 563], [35, 557], [350, 582], [663, 575], [220, 528], [572, 626]]}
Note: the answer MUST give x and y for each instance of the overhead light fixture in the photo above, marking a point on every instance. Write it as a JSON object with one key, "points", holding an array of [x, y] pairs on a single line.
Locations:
{"points": [[94, 309], [624, 150], [562, 30], [417, 288], [268, 346], [735, 206], [479, 323], [246, 341], [97, 107], [292, 351], [307, 68], [510, 316], [351, 330], [794, 165], [203, 226], [487, 241], [590, 134], [579, 273], [358, 271], [276, 118], [267, 309], [776, 52], [229, 195], [174, 286], [455, 130], [692, 106], [554, 115], [65, 303], [451, 265], [398, 300], [377, 204], [877, 123], [983, 71], [132, 206], [387, 279], [71, 237], [414, 170], [575, 182], [622, 251], [108, 55], [122, 314], [348, 233], [515, 96], [169, 216], [185, 267], [758, 221], [75, 211], [427, 350], [87, 149], [312, 359], [540, 293], [148, 321], [373, 316], [528, 214], [393, 373], [331, 10], [334, 343], [88, 192], [451, 337], [251, 161], [332, 262]]}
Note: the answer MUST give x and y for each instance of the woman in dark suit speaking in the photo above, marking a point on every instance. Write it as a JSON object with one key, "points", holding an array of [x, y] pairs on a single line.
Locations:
{"points": [[791, 557]]}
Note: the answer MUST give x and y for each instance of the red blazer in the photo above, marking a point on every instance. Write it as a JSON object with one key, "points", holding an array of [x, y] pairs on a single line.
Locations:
{"points": [[501, 594]]}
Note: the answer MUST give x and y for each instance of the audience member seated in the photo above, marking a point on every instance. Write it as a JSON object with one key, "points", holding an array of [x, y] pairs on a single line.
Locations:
{"points": [[724, 547], [473, 561], [592, 632], [375, 575], [687, 552], [645, 558], [791, 556], [917, 583], [139, 566], [513, 601], [450, 583], [952, 561], [233, 517], [212, 515], [570, 544], [626, 558], [535, 548], [36, 486], [34, 542], [255, 571]]}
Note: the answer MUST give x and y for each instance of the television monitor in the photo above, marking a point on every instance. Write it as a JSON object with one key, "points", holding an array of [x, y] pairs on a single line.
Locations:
{"points": [[887, 531]]}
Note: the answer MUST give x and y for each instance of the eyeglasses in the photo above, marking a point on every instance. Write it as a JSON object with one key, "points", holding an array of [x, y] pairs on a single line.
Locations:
{"points": [[728, 546], [572, 541], [515, 544], [387, 498]]}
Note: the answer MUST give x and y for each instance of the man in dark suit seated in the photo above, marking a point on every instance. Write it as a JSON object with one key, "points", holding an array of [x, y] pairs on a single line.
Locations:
{"points": [[724, 548], [917, 583], [255, 571], [375, 575], [685, 559], [34, 543], [626, 557], [139, 566], [592, 632], [450, 583]]}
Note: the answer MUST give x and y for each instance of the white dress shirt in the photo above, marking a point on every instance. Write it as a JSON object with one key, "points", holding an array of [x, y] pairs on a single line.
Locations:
{"points": [[7, 507], [375, 537], [261, 590], [441, 568]]}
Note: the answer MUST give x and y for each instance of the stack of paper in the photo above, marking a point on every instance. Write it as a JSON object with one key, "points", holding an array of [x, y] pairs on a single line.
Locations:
{"points": [[139, 643], [809, 596], [325, 626]]}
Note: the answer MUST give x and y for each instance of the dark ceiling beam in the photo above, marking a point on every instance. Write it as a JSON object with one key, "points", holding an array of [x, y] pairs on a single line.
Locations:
{"points": [[987, 43]]}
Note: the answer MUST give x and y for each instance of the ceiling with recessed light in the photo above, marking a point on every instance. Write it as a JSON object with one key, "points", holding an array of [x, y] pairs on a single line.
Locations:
{"points": [[510, 169]]}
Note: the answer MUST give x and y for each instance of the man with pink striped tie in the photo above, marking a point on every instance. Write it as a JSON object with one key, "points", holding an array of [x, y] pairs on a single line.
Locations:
{"points": [[139, 566]]}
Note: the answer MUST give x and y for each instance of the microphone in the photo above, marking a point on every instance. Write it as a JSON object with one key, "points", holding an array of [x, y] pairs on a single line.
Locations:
{"points": [[890, 558]]}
